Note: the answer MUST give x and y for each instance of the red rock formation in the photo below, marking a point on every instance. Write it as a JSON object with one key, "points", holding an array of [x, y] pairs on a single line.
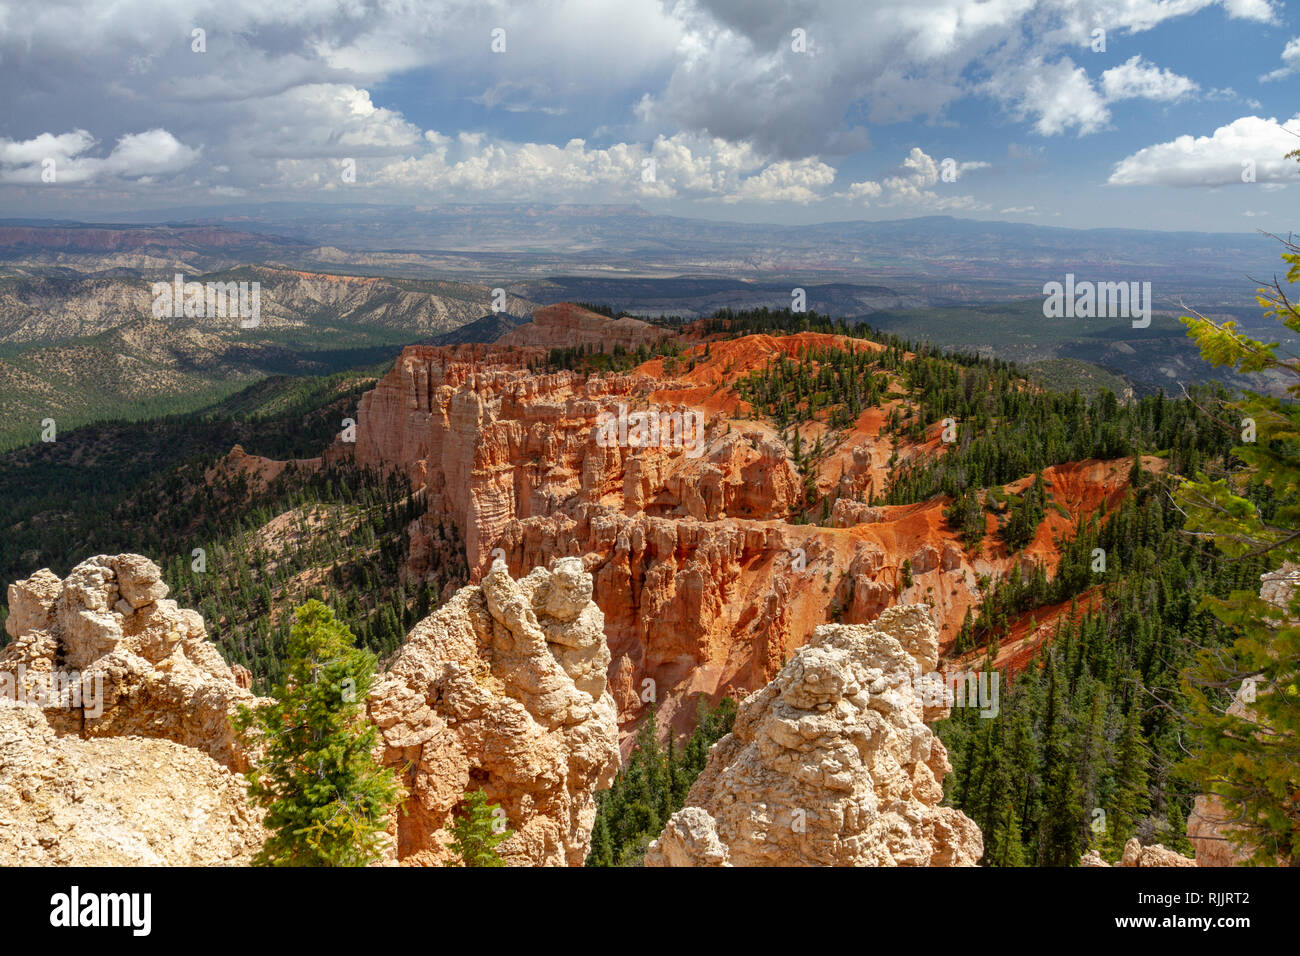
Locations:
{"points": [[705, 586]]}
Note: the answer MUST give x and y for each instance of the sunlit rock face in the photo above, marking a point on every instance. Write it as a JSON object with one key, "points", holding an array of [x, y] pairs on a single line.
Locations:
{"points": [[831, 764], [504, 689]]}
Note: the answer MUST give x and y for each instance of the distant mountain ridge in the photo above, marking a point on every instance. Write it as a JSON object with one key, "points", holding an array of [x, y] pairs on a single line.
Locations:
{"points": [[35, 309], [484, 331], [493, 243], [79, 348]]}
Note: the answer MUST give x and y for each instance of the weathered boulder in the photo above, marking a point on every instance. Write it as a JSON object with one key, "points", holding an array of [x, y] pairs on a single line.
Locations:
{"points": [[831, 764]]}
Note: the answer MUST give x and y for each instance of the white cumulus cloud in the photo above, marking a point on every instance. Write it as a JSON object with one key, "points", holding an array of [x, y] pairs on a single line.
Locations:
{"points": [[1137, 77], [1219, 159], [1290, 62], [139, 156], [914, 184]]}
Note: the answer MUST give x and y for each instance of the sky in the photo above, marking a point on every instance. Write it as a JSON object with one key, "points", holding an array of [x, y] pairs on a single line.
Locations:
{"points": [[1148, 114]]}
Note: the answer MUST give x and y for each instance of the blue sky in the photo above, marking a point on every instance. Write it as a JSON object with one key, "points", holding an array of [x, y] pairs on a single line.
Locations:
{"points": [[729, 109]]}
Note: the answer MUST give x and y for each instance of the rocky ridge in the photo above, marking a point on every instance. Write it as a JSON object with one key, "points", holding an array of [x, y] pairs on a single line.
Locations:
{"points": [[116, 746], [42, 310]]}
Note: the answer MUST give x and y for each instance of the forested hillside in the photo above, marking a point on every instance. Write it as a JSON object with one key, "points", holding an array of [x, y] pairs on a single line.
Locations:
{"points": [[1082, 752], [243, 553]]}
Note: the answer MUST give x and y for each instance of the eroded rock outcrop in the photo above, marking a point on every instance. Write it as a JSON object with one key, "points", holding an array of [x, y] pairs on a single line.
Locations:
{"points": [[119, 801], [503, 688], [831, 764], [115, 743], [105, 653], [1137, 855]]}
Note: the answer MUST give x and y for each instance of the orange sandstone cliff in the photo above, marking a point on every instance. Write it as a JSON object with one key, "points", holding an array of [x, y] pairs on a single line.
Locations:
{"points": [[705, 583]]}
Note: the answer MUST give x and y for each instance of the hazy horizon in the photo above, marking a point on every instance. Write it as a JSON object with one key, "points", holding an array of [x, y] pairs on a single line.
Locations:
{"points": [[230, 216]]}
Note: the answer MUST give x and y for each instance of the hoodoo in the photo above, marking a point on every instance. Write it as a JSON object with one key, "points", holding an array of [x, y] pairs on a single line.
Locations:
{"points": [[503, 689], [831, 764]]}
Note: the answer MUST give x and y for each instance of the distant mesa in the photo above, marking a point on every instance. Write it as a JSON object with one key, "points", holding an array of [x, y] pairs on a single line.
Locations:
{"points": [[564, 325]]}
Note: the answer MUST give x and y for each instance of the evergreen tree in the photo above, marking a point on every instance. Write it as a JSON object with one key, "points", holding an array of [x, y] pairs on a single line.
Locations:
{"points": [[1059, 841], [652, 785], [1131, 801], [1249, 754], [477, 829], [326, 798]]}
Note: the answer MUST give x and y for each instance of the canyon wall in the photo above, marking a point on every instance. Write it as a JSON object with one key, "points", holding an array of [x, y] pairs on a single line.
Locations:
{"points": [[706, 585]]}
